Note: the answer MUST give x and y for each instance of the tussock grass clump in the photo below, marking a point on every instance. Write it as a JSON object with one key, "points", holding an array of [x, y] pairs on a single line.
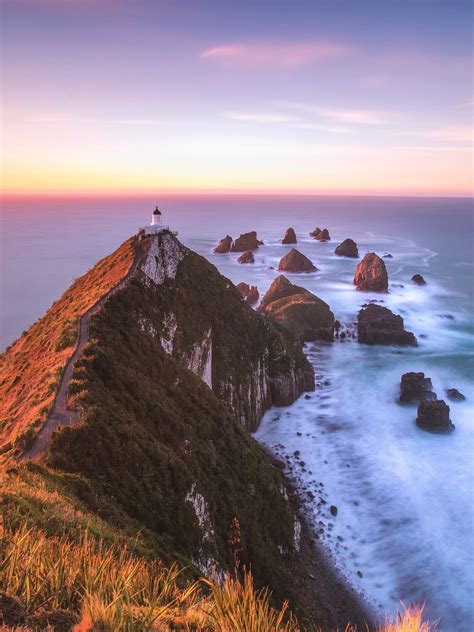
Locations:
{"points": [[112, 587], [236, 605], [411, 620]]}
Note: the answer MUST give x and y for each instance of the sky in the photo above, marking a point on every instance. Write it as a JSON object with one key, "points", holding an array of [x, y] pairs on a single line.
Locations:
{"points": [[329, 96]]}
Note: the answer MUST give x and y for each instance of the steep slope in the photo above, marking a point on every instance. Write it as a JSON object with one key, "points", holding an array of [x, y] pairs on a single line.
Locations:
{"points": [[31, 367], [157, 439]]}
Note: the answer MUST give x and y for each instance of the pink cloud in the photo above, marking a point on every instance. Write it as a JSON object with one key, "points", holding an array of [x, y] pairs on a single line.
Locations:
{"points": [[281, 54]]}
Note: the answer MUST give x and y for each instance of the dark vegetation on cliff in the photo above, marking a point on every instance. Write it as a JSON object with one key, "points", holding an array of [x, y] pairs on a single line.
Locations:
{"points": [[156, 446]]}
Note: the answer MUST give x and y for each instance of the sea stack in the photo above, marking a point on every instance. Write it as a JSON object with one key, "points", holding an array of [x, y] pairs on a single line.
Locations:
{"points": [[321, 234], [371, 274], [415, 388], [246, 257], [295, 261], [377, 325], [348, 248], [246, 241], [418, 279], [433, 416], [224, 246], [290, 236]]}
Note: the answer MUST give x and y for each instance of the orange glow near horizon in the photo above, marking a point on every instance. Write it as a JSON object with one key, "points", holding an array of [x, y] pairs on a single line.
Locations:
{"points": [[96, 98]]}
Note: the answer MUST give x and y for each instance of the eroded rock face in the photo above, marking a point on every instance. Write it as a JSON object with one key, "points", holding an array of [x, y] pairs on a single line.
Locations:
{"points": [[280, 288], [253, 295], [321, 234], [247, 257], [300, 311], [249, 292], [415, 388], [418, 279], [377, 325], [434, 417], [348, 248], [371, 274], [246, 241], [295, 261], [224, 246], [290, 237]]}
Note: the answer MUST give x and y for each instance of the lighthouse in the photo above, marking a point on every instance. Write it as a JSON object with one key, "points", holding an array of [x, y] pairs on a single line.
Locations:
{"points": [[156, 225]]}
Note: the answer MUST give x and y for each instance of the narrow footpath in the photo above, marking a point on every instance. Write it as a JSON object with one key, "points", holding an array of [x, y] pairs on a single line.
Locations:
{"points": [[60, 415]]}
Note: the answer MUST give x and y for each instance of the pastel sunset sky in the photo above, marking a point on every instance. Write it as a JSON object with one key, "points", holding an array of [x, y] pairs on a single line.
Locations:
{"points": [[329, 96]]}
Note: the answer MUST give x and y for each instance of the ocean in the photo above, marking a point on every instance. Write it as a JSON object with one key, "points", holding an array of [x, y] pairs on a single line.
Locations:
{"points": [[405, 513]]}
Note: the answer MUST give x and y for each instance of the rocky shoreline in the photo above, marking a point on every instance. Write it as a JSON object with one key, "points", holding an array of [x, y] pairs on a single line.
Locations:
{"points": [[320, 592]]}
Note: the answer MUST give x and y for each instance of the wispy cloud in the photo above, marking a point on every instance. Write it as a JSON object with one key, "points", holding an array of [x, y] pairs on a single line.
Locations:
{"points": [[256, 117], [451, 134], [281, 54], [270, 118], [354, 116], [79, 120]]}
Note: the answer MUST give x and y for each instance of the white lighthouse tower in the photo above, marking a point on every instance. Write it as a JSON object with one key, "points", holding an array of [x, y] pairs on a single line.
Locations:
{"points": [[156, 225]]}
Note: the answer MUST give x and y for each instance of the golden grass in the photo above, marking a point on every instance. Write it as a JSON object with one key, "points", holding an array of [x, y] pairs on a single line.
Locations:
{"points": [[112, 588], [411, 620], [31, 367]]}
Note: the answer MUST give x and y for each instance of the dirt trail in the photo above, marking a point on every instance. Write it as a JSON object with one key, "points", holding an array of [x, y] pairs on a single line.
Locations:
{"points": [[60, 415]]}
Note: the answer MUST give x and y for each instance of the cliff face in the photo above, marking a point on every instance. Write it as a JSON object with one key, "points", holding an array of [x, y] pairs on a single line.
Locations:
{"points": [[176, 370], [199, 318]]}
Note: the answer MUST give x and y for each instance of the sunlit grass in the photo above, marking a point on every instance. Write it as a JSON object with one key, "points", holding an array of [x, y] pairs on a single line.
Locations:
{"points": [[111, 589], [31, 367]]}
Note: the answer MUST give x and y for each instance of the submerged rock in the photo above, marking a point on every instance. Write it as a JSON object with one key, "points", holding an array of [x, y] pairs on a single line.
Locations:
{"points": [[418, 279], [246, 257], [321, 234], [434, 416], [246, 241], [415, 387], [290, 237], [224, 246], [454, 395], [348, 248], [377, 325], [306, 315], [295, 261], [371, 274]]}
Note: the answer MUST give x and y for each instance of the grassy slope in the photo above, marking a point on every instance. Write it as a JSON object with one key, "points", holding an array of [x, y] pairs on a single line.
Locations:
{"points": [[31, 367]]}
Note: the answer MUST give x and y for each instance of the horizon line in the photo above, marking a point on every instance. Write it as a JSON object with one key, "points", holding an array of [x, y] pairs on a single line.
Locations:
{"points": [[15, 193]]}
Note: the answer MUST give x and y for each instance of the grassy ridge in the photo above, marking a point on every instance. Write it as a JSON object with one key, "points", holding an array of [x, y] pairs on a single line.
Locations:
{"points": [[31, 367]]}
